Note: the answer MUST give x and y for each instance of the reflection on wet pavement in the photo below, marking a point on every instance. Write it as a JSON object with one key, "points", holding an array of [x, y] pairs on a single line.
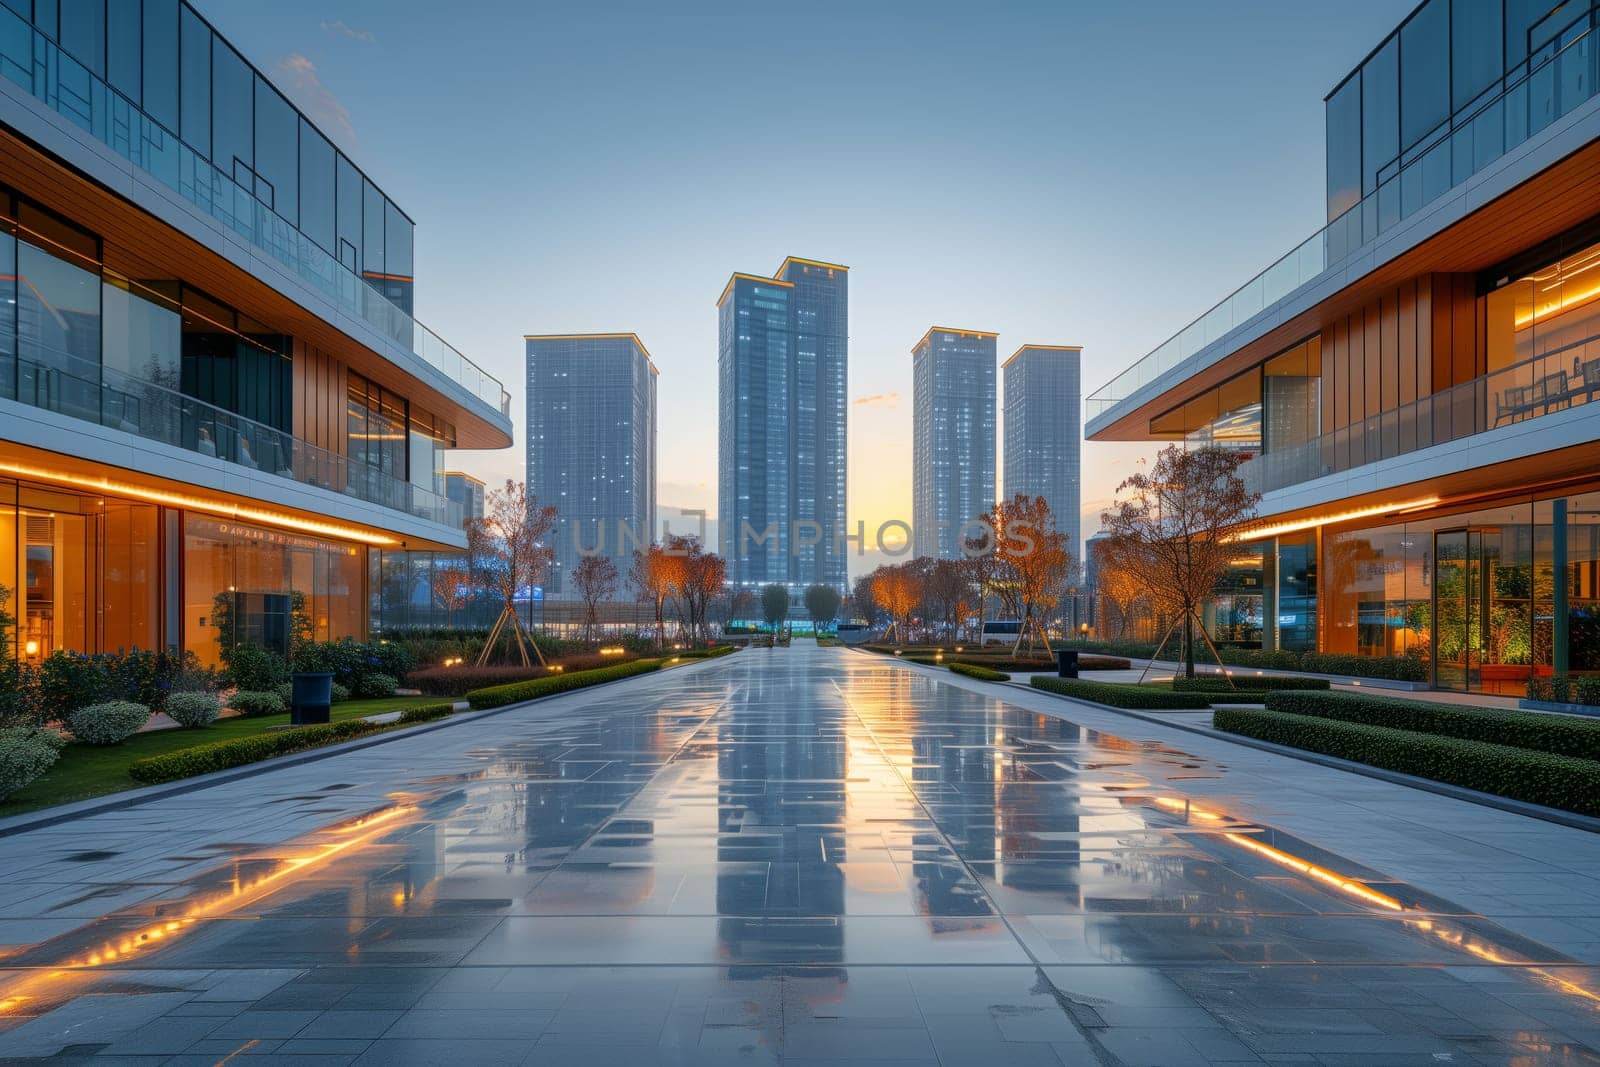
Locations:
{"points": [[800, 854]]}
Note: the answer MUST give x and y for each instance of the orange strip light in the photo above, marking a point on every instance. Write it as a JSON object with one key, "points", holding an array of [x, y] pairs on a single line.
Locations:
{"points": [[107, 486]]}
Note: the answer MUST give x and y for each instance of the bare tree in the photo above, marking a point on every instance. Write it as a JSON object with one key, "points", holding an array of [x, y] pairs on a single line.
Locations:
{"points": [[946, 591], [1175, 526], [596, 579], [508, 548], [451, 583]]}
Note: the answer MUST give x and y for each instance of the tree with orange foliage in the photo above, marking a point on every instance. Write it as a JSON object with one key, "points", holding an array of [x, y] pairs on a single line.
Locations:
{"points": [[1032, 556], [897, 589], [451, 583], [653, 575], [696, 579]]}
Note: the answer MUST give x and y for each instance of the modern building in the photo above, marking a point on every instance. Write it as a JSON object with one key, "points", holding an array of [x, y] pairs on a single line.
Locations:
{"points": [[1414, 381], [592, 447], [783, 362], [466, 492], [216, 408], [952, 438], [1044, 433]]}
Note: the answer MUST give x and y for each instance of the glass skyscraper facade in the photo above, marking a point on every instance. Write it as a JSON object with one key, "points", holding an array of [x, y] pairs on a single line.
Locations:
{"points": [[592, 447], [1044, 431], [953, 437], [783, 361]]}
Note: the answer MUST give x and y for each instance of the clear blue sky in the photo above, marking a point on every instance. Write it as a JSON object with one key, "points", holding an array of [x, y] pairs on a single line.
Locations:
{"points": [[1059, 172]]}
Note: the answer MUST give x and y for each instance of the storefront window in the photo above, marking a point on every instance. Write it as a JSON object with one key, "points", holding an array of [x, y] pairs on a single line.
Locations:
{"points": [[250, 584], [83, 572], [1296, 619]]}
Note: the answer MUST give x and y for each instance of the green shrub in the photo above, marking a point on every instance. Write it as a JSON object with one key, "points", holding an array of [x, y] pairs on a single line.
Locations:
{"points": [[713, 652], [1257, 683], [68, 680], [338, 695], [425, 713], [374, 686], [983, 674], [256, 669], [1396, 668], [223, 755], [108, 723], [252, 704], [1122, 695], [459, 681], [193, 710], [20, 702], [1560, 734], [350, 661], [285, 693], [1522, 774], [517, 692], [25, 754]]}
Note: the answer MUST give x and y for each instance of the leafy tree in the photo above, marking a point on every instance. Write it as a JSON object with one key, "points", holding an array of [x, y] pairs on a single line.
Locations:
{"points": [[509, 550], [652, 576], [697, 577], [946, 592], [595, 578], [822, 604], [451, 583], [862, 602], [1176, 525], [897, 589], [1032, 556], [774, 604]]}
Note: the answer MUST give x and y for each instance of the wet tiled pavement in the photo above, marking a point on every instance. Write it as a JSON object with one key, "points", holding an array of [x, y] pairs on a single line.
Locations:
{"points": [[801, 855]]}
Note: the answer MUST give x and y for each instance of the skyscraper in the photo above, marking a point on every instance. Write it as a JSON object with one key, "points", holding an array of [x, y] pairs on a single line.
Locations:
{"points": [[467, 492], [783, 356], [1044, 431], [953, 431], [592, 446]]}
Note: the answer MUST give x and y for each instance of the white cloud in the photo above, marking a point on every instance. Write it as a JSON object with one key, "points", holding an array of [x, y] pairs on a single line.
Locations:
{"points": [[878, 400], [339, 29], [317, 100]]}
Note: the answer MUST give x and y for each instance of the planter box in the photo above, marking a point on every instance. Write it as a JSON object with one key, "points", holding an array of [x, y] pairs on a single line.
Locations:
{"points": [[1588, 710]]}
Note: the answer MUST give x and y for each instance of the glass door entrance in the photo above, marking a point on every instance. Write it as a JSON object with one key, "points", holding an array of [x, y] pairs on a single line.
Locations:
{"points": [[1482, 634]]}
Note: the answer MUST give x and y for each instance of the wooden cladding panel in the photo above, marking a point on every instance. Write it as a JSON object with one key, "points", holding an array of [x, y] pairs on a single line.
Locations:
{"points": [[1406, 336], [320, 387]]}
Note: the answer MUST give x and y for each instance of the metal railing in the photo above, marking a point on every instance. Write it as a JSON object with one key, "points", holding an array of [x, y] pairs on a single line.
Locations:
{"points": [[1553, 81], [1564, 378], [67, 384], [37, 64]]}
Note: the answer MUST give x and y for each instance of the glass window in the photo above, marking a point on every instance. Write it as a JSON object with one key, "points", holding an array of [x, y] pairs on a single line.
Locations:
{"points": [[1344, 147], [372, 260], [143, 335], [316, 186], [1521, 17], [195, 82], [1425, 84], [277, 152], [161, 61], [1380, 113], [83, 32], [58, 333], [348, 190], [46, 16], [232, 110], [397, 236], [1476, 33], [123, 60]]}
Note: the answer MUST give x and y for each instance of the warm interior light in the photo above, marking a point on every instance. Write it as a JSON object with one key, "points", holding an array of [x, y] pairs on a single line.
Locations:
{"points": [[613, 650], [194, 503], [1256, 533], [31, 648]]}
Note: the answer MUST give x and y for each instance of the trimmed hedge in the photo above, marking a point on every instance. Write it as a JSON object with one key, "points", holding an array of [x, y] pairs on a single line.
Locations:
{"points": [[1397, 668], [226, 755], [982, 674], [1519, 773], [515, 693], [713, 652], [1259, 683], [1537, 731], [1119, 695]]}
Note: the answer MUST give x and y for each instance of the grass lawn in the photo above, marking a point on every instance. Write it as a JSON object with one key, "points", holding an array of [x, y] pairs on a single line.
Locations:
{"points": [[85, 771]]}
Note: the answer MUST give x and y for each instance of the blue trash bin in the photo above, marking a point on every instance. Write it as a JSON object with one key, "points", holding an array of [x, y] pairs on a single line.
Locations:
{"points": [[1067, 663], [313, 698]]}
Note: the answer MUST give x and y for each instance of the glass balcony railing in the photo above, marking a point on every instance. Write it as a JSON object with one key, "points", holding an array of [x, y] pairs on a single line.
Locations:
{"points": [[1554, 81], [1566, 378], [35, 63], [154, 412]]}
